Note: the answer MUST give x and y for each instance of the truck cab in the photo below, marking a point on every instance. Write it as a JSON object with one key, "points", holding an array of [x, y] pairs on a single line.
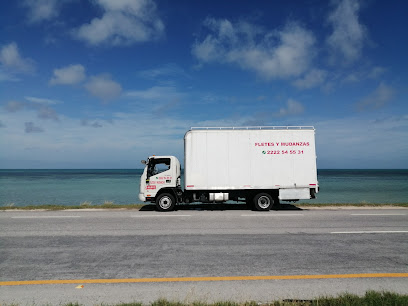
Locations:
{"points": [[160, 181]]}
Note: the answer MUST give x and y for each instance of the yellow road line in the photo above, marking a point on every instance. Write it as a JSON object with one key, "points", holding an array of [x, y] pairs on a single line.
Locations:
{"points": [[201, 279]]}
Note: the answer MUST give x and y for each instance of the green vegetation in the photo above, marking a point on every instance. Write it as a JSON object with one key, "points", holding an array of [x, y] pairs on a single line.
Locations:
{"points": [[306, 205], [371, 298]]}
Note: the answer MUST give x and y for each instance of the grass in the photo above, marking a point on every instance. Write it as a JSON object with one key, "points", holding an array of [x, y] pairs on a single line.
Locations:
{"points": [[371, 298], [351, 204]]}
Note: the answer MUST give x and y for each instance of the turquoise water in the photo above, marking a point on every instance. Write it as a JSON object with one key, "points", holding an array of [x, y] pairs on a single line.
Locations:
{"points": [[72, 187]]}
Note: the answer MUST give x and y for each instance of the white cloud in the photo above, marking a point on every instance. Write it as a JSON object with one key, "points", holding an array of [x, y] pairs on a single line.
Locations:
{"points": [[341, 143], [160, 100], [359, 142], [30, 127], [376, 71], [40, 105], [168, 70], [312, 79], [292, 108], [123, 22], [279, 54], [4, 76], [11, 60], [40, 10], [70, 75], [378, 98], [95, 124], [46, 112], [14, 106], [155, 93], [42, 100], [72, 143], [358, 75], [103, 87], [348, 36]]}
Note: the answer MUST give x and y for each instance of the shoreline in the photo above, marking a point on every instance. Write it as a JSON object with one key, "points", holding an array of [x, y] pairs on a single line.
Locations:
{"points": [[150, 207]]}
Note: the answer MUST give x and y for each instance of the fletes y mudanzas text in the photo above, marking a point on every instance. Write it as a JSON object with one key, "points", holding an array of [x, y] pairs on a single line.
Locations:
{"points": [[282, 144]]}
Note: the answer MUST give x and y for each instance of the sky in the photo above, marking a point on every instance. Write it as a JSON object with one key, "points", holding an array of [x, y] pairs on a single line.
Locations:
{"points": [[107, 83]]}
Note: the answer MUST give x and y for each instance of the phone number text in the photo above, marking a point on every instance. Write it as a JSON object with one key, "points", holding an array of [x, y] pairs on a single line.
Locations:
{"points": [[283, 152]]}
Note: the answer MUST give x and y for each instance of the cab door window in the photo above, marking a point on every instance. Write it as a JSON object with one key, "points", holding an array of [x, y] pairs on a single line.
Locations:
{"points": [[157, 166]]}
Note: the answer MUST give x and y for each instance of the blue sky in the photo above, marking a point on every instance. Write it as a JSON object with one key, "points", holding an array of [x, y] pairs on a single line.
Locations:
{"points": [[106, 83]]}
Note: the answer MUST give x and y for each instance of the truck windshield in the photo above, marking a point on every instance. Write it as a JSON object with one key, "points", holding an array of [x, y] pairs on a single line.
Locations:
{"points": [[157, 165]]}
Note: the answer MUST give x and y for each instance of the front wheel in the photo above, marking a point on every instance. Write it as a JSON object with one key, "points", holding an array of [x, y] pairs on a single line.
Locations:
{"points": [[165, 202], [263, 201]]}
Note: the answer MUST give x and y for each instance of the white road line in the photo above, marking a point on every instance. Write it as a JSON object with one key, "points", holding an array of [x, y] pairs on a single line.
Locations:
{"points": [[44, 217], [273, 215], [378, 215], [158, 216], [370, 232]]}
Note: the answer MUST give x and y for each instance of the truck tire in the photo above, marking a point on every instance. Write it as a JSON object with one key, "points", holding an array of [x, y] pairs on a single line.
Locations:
{"points": [[165, 202], [263, 202]]}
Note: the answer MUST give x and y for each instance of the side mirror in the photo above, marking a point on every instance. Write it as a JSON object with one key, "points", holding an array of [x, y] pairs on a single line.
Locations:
{"points": [[143, 162]]}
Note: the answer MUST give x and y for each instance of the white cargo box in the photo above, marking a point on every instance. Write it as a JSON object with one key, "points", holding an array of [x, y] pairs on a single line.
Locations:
{"points": [[251, 158]]}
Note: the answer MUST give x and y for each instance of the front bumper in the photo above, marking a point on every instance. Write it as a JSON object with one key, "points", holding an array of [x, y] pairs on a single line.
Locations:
{"points": [[142, 197]]}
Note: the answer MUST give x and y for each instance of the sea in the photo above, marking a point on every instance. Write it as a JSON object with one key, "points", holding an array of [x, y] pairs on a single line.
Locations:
{"points": [[121, 186]]}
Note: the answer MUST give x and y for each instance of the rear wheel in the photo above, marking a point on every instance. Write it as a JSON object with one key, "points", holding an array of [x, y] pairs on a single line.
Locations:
{"points": [[165, 202], [263, 202]]}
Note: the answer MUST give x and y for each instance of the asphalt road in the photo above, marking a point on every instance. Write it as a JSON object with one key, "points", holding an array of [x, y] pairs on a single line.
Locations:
{"points": [[146, 255]]}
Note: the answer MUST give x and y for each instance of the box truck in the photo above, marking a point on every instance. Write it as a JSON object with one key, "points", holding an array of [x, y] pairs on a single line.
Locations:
{"points": [[259, 165]]}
